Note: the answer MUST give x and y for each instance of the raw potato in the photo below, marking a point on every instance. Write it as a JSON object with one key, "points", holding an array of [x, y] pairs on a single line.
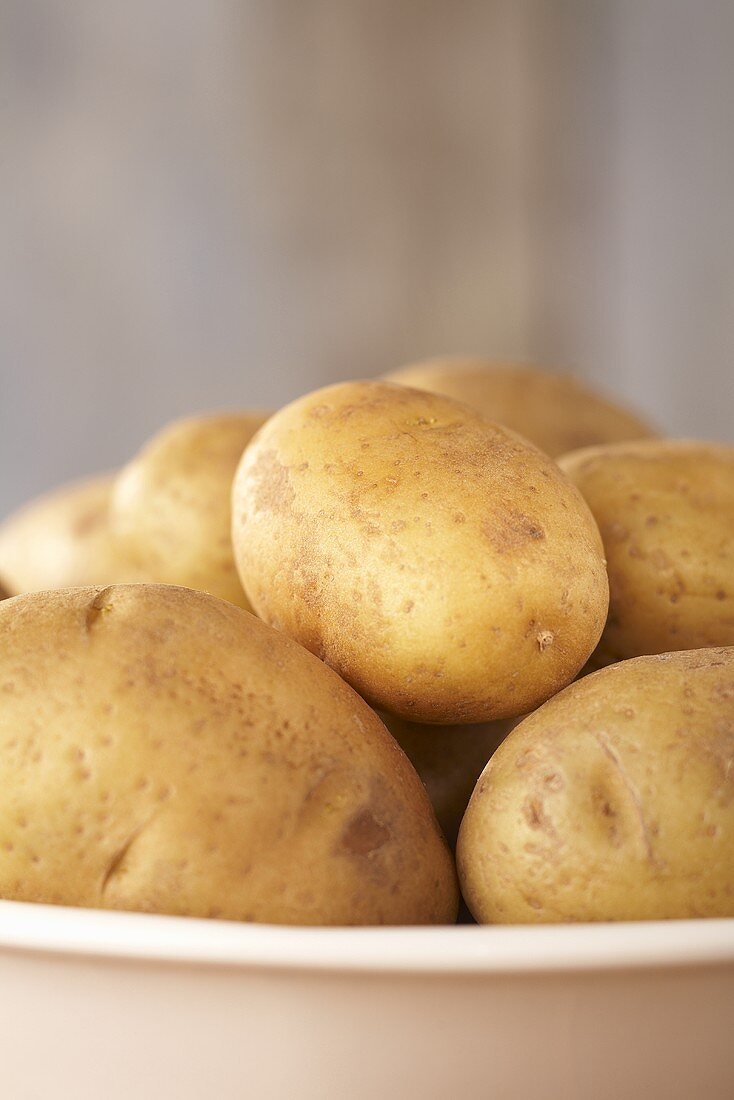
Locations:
{"points": [[163, 751], [555, 411], [665, 510], [449, 760], [614, 801], [63, 540], [444, 567], [171, 505]]}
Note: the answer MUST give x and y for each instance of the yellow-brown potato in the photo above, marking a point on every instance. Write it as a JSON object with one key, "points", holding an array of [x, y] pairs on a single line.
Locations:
{"points": [[665, 510], [63, 539], [442, 565], [162, 750], [449, 760], [613, 801], [171, 506], [555, 411]]}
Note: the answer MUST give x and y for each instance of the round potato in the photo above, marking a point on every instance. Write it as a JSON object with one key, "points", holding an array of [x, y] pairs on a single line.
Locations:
{"points": [[62, 540], [614, 801], [171, 506], [665, 510], [555, 411], [449, 760], [163, 751], [444, 567]]}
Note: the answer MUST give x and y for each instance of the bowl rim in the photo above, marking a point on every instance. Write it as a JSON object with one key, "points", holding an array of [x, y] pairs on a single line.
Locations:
{"points": [[462, 949]]}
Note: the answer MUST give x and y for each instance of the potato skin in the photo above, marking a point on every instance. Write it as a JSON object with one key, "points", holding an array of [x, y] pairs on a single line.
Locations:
{"points": [[449, 760], [665, 510], [63, 540], [164, 751], [171, 506], [613, 801], [444, 567], [555, 411]]}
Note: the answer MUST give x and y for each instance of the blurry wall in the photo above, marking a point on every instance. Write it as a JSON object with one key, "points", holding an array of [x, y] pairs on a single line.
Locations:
{"points": [[632, 273], [217, 203]]}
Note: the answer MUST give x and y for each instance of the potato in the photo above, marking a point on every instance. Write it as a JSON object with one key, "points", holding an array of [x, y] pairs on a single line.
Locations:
{"points": [[614, 801], [449, 760], [163, 751], [555, 411], [665, 510], [171, 506], [62, 540], [444, 567]]}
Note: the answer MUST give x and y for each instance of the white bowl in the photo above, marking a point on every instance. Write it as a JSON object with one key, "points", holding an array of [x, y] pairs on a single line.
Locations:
{"points": [[101, 1006]]}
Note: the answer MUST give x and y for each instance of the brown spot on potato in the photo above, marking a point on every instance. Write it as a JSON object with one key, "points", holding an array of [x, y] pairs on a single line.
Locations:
{"points": [[536, 817], [553, 781], [509, 530], [615, 532], [273, 491], [363, 834]]}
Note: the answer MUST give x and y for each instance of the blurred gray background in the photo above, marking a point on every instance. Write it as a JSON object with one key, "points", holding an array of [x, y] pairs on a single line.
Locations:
{"points": [[210, 203]]}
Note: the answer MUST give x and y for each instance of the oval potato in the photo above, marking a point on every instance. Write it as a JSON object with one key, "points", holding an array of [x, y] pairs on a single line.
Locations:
{"points": [[665, 510], [555, 411], [171, 506], [164, 751], [63, 540], [613, 801], [444, 567]]}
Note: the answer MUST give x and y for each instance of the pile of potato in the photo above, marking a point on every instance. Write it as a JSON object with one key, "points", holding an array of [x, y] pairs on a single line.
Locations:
{"points": [[205, 653]]}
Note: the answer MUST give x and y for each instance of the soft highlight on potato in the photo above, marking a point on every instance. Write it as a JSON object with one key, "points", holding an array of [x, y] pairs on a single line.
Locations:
{"points": [[63, 539], [555, 411], [665, 510], [171, 506], [164, 751], [613, 801], [443, 566]]}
